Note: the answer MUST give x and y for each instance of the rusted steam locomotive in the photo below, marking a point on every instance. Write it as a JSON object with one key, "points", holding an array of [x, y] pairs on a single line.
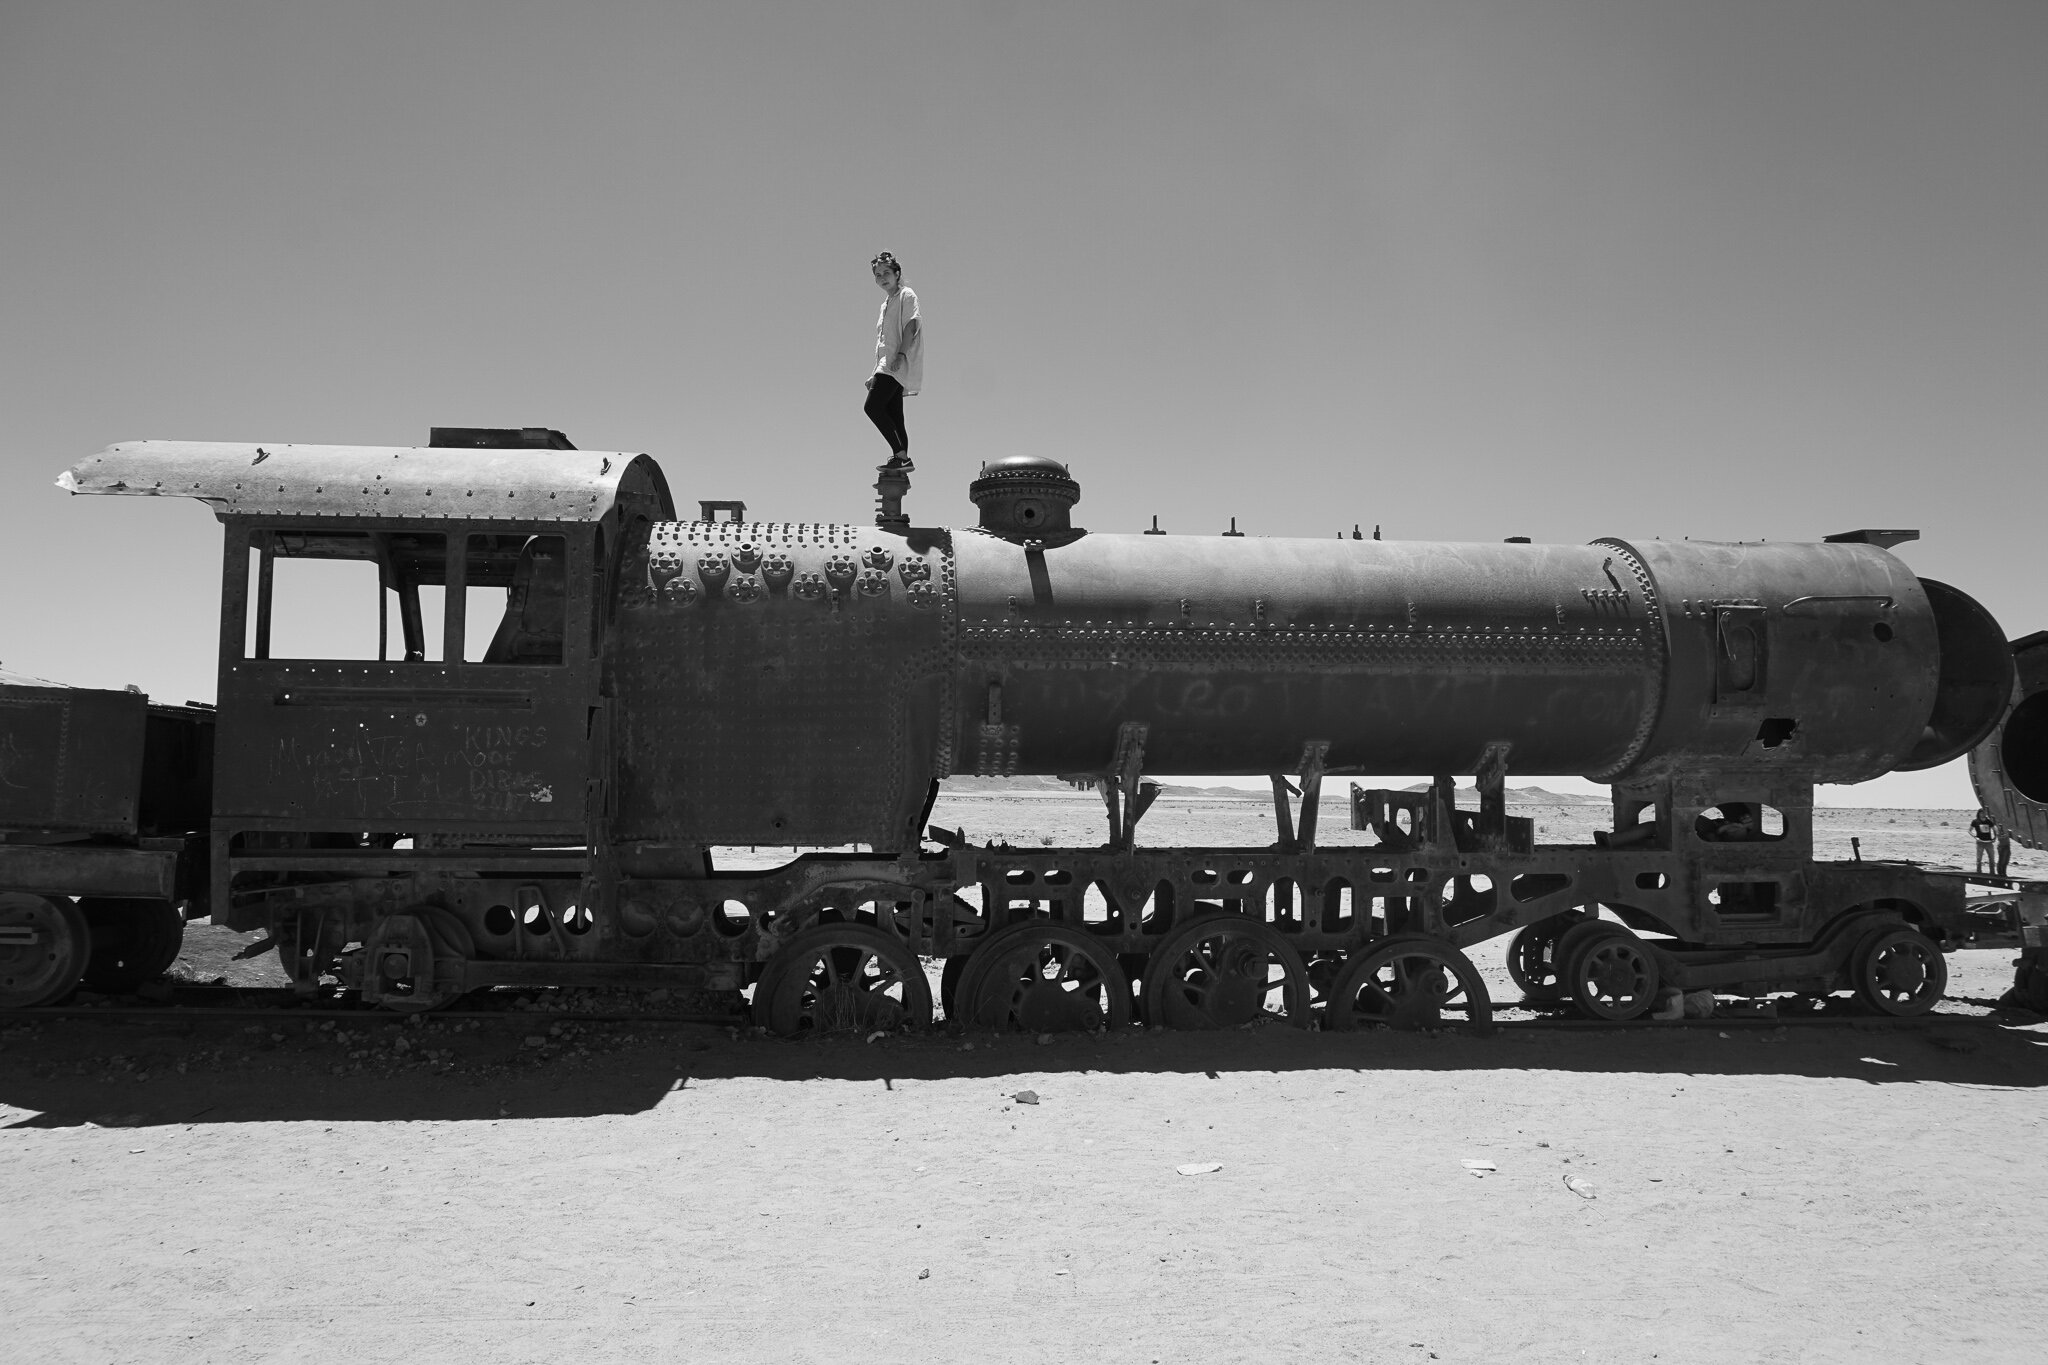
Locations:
{"points": [[570, 701]]}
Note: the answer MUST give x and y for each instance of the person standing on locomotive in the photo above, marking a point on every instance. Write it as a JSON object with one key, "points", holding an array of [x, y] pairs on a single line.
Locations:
{"points": [[899, 360]]}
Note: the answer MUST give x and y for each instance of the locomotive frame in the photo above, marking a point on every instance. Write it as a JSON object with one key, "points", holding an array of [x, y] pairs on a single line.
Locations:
{"points": [[423, 826]]}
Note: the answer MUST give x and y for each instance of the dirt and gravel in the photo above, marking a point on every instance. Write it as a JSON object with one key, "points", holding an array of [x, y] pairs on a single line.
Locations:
{"points": [[536, 1185]]}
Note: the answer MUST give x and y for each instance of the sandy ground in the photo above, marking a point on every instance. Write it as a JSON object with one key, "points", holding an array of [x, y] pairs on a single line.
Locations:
{"points": [[525, 1188], [1759, 1196]]}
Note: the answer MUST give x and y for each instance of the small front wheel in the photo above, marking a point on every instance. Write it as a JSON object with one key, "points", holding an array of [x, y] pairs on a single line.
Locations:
{"points": [[1899, 972], [1612, 975]]}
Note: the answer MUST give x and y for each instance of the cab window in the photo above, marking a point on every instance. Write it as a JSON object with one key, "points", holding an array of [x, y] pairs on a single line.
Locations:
{"points": [[390, 596], [349, 595], [516, 595]]}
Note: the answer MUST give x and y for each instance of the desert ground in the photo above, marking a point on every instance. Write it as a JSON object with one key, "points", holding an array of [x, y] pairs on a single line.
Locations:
{"points": [[538, 1186]]}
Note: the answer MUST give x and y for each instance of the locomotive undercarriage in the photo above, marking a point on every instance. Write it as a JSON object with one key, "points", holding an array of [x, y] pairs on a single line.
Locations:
{"points": [[1051, 938]]}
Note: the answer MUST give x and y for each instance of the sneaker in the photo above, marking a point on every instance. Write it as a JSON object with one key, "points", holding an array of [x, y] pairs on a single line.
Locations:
{"points": [[900, 463]]}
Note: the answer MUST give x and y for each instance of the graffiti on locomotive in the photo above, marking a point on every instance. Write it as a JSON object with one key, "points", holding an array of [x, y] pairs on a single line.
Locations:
{"points": [[423, 769]]}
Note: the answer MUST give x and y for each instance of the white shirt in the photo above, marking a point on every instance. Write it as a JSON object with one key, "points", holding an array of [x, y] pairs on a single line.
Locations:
{"points": [[897, 309]]}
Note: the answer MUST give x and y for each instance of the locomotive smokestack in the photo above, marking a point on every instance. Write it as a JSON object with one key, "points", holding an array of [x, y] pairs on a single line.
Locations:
{"points": [[1025, 497]]}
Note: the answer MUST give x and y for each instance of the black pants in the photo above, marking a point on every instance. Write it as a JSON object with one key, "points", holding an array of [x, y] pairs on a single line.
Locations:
{"points": [[885, 409]]}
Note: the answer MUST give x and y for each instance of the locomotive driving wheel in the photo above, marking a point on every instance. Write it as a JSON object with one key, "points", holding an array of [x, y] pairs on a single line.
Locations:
{"points": [[1409, 981], [1222, 972], [842, 977], [1609, 972], [44, 946], [1532, 956], [1044, 977], [1899, 971]]}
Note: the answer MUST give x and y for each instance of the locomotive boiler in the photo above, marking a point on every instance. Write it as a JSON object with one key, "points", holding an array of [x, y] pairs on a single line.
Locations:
{"points": [[577, 700], [1027, 646]]}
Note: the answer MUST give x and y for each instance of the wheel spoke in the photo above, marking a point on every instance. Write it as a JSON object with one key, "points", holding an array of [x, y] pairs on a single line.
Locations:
{"points": [[1383, 1003], [875, 972]]}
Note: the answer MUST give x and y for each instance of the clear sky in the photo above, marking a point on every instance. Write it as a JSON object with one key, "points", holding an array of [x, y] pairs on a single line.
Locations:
{"points": [[1723, 270]]}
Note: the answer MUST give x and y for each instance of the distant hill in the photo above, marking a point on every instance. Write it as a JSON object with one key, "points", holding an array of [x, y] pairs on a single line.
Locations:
{"points": [[1538, 796]]}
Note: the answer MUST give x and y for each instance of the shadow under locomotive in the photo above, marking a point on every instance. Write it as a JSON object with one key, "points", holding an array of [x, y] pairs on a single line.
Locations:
{"points": [[278, 1084]]}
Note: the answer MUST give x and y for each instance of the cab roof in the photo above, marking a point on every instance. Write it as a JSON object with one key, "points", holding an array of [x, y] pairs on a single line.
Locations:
{"points": [[386, 482]]}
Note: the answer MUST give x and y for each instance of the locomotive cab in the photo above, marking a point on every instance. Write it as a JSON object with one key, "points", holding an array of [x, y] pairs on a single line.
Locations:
{"points": [[411, 649], [401, 680]]}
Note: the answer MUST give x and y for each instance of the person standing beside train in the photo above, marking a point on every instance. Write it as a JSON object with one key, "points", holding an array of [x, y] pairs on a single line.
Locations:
{"points": [[1982, 829], [899, 360]]}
